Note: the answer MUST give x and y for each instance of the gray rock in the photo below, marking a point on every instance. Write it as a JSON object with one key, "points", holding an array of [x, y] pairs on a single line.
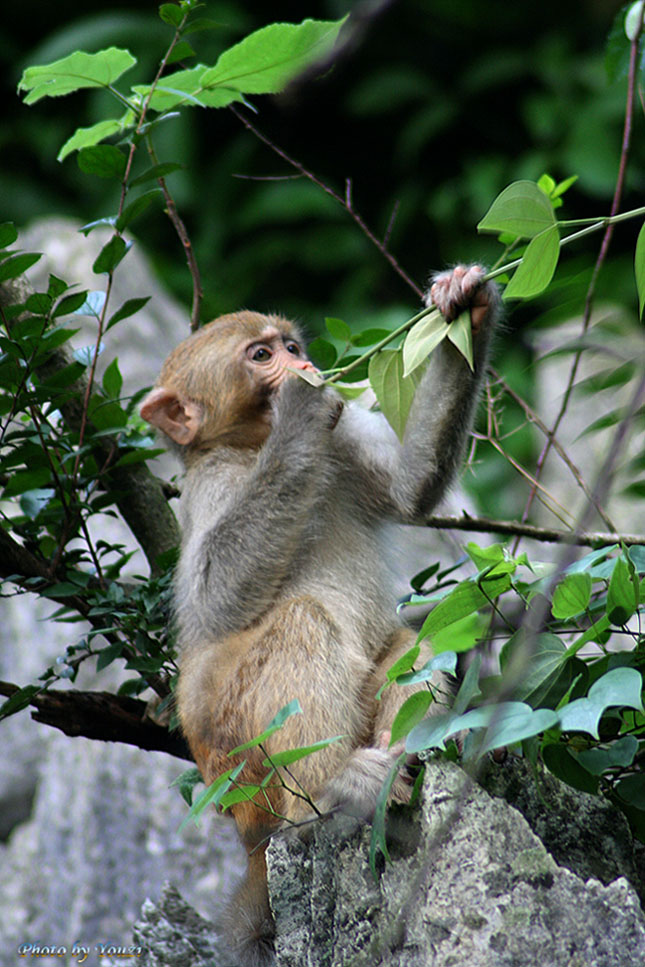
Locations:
{"points": [[172, 934], [480, 891]]}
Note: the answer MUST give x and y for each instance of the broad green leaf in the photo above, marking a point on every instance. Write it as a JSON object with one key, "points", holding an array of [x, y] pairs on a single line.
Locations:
{"points": [[618, 687], [460, 335], [8, 234], [460, 636], [19, 700], [15, 265], [446, 662], [589, 560], [267, 60], [410, 714], [404, 663], [536, 669], [536, 269], [422, 339], [157, 171], [639, 269], [71, 303], [338, 329], [92, 305], [129, 307], [506, 723], [469, 688], [136, 208], [186, 783], [322, 352], [619, 754], [394, 391], [292, 708], [521, 209], [591, 634], [185, 87], [181, 51], [369, 337], [88, 137], [430, 734], [75, 72], [562, 763], [466, 598], [109, 221], [631, 789], [242, 794], [637, 557], [171, 14], [113, 380], [289, 756], [572, 595], [633, 20], [33, 501], [110, 255], [622, 596], [103, 160]]}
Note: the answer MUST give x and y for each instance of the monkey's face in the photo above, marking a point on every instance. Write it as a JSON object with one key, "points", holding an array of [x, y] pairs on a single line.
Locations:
{"points": [[269, 358]]}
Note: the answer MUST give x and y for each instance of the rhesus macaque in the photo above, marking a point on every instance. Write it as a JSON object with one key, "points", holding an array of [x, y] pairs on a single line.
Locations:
{"points": [[284, 589]]}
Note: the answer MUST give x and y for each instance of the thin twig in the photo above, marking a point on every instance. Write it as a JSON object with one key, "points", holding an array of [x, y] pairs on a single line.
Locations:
{"points": [[517, 528]]}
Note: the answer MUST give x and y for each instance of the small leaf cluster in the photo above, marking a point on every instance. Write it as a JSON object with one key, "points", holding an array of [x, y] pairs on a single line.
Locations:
{"points": [[571, 695]]}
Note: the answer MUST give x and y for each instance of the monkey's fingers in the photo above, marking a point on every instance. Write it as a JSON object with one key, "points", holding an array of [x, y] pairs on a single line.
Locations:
{"points": [[458, 289]]}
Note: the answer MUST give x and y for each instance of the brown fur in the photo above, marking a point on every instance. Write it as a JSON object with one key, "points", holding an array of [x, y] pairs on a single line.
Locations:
{"points": [[285, 585]]}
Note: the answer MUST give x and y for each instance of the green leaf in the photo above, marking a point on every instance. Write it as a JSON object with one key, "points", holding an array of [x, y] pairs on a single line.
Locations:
{"points": [[292, 708], [338, 329], [213, 794], [267, 60], [92, 304], [71, 303], [19, 700], [157, 171], [33, 501], [369, 337], [572, 595], [110, 255], [377, 840], [113, 380], [618, 687], [322, 352], [186, 782], [171, 14], [15, 265], [129, 307], [521, 209], [536, 669], [410, 714], [561, 762], [446, 662], [466, 598], [87, 137], [506, 723], [460, 335], [289, 756], [185, 87], [136, 208], [537, 267], [468, 688], [181, 51], [622, 596], [404, 663], [103, 160], [620, 754], [430, 734], [639, 269], [75, 72], [394, 391], [424, 336], [631, 789], [8, 234]]}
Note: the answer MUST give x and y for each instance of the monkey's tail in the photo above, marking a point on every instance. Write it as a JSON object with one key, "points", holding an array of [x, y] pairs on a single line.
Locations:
{"points": [[247, 925]]}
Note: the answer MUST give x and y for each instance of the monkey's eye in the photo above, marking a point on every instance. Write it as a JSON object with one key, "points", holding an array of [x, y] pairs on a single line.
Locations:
{"points": [[293, 348], [260, 354]]}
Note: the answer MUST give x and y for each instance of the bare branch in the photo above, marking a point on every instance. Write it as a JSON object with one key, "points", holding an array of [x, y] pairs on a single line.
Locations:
{"points": [[516, 528]]}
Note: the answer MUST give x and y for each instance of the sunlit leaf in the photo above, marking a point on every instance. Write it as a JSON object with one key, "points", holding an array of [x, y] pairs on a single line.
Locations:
{"points": [[394, 391], [537, 267], [424, 336], [266, 60], [521, 209], [639, 269], [572, 595], [460, 335], [88, 137], [410, 714], [74, 72]]}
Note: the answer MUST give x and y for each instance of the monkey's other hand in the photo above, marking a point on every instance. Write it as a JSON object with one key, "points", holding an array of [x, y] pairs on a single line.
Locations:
{"points": [[462, 288], [298, 401]]}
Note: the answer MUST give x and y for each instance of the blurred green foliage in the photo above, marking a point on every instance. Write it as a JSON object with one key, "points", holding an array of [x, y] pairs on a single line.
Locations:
{"points": [[433, 109]]}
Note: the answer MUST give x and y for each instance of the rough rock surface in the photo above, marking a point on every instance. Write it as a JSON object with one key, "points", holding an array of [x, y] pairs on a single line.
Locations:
{"points": [[470, 885]]}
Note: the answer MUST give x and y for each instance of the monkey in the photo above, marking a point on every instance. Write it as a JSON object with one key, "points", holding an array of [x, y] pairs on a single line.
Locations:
{"points": [[290, 504]]}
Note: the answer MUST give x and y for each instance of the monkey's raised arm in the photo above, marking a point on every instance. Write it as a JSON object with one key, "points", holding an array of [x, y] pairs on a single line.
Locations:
{"points": [[416, 474], [245, 526]]}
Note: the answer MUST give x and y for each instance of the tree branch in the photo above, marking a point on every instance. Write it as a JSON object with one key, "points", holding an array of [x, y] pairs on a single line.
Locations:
{"points": [[103, 716], [515, 528]]}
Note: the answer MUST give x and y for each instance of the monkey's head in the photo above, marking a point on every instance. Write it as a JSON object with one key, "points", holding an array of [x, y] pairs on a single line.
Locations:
{"points": [[215, 387]]}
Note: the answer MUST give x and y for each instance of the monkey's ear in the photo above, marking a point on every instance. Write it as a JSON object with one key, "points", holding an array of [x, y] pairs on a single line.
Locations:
{"points": [[179, 419]]}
